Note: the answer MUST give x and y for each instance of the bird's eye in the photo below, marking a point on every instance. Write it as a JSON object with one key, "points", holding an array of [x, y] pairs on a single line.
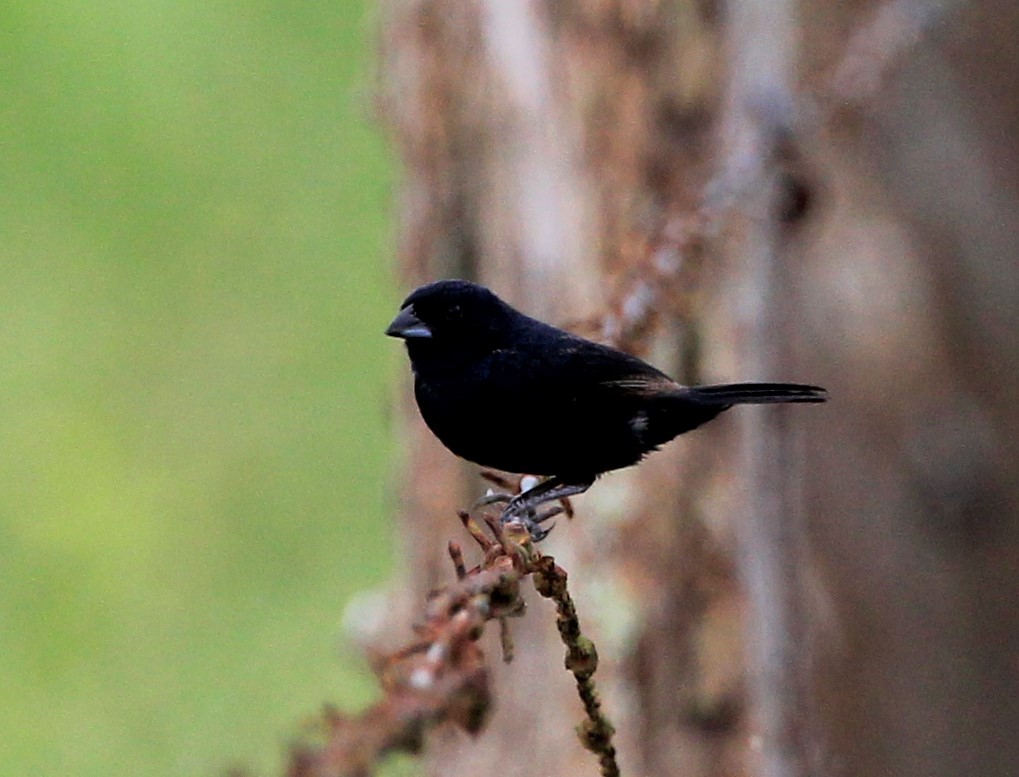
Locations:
{"points": [[454, 313]]}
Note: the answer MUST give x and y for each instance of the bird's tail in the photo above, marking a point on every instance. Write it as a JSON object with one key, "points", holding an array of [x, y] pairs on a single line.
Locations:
{"points": [[755, 394], [689, 407]]}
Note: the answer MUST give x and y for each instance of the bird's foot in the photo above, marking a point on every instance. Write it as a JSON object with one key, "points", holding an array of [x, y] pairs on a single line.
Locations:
{"points": [[524, 506], [528, 516], [532, 521]]}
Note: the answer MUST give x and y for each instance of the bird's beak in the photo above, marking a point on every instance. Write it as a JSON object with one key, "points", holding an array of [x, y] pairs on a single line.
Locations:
{"points": [[408, 326]]}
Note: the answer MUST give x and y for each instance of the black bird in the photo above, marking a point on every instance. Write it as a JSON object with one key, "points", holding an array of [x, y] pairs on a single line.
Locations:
{"points": [[506, 391]]}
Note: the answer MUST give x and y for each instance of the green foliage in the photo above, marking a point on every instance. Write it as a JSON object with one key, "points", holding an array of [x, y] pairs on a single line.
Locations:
{"points": [[195, 276]]}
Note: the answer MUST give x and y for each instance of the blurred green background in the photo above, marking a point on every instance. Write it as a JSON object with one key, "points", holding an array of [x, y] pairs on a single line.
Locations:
{"points": [[194, 253]]}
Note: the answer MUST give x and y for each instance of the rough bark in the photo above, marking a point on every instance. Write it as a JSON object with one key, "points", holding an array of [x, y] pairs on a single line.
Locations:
{"points": [[579, 158]]}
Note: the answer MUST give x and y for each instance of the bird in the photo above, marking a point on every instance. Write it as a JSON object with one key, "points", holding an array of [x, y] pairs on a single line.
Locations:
{"points": [[509, 392]]}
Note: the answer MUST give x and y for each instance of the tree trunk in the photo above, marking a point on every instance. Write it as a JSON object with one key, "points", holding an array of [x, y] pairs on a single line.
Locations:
{"points": [[737, 199]]}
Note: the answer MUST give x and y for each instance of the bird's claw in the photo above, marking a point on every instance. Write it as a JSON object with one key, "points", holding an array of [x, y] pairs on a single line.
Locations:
{"points": [[532, 525], [537, 532], [528, 516], [531, 519], [492, 499]]}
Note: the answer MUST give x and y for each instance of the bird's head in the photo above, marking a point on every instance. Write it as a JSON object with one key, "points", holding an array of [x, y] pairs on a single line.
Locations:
{"points": [[451, 321]]}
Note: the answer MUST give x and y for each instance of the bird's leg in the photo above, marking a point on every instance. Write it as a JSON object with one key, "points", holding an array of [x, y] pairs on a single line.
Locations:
{"points": [[524, 507], [531, 520], [551, 490]]}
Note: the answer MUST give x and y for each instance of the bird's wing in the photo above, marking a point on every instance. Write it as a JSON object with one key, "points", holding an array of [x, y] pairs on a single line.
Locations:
{"points": [[562, 363], [643, 385], [613, 370]]}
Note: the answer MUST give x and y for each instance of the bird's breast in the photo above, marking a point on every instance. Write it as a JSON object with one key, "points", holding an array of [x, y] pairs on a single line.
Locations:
{"points": [[533, 427]]}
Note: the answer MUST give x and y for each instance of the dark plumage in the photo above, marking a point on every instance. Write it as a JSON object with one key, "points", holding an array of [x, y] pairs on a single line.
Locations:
{"points": [[506, 391]]}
